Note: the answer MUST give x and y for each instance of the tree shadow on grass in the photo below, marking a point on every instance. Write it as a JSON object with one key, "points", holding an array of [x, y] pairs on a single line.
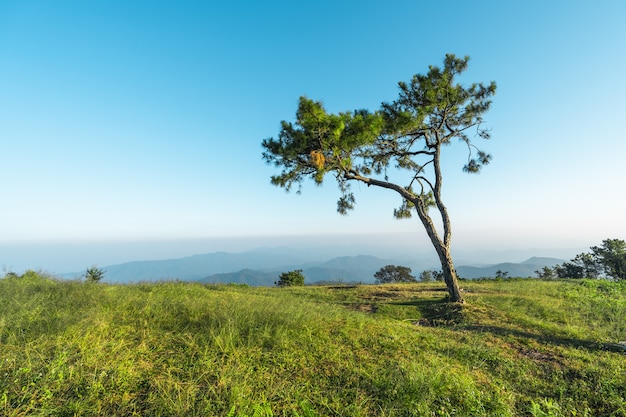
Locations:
{"points": [[544, 338], [442, 313], [435, 312]]}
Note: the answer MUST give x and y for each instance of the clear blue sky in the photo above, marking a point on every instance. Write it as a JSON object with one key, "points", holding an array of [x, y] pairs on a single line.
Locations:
{"points": [[142, 120]]}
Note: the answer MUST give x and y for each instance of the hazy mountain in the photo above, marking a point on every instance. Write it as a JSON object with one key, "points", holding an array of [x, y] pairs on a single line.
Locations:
{"points": [[523, 269], [262, 267], [359, 268], [196, 266], [362, 268]]}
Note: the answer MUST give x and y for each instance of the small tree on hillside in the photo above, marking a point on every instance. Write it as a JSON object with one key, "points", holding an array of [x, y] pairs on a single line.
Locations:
{"points": [[611, 255], [589, 263], [500, 274], [291, 278], [394, 273], [438, 276], [426, 276], [545, 273], [94, 274]]}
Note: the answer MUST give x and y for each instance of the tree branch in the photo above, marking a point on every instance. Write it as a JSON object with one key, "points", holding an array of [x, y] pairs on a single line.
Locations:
{"points": [[350, 175], [420, 178]]}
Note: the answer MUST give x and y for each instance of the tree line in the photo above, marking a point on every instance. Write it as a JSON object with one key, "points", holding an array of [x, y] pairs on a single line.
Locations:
{"points": [[605, 261]]}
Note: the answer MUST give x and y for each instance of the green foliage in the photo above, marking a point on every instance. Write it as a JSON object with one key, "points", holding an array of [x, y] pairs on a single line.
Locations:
{"points": [[569, 270], [258, 411], [426, 276], [320, 143], [501, 274], [608, 259], [515, 348], [584, 265], [28, 275], [394, 274], [612, 256], [590, 264], [547, 407], [404, 139], [405, 135], [94, 274], [545, 273], [438, 276], [291, 278]]}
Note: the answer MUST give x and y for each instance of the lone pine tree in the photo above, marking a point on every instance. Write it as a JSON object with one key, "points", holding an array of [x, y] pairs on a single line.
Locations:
{"points": [[405, 139]]}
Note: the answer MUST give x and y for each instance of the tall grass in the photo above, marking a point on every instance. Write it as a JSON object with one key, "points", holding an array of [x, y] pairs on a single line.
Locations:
{"points": [[518, 347]]}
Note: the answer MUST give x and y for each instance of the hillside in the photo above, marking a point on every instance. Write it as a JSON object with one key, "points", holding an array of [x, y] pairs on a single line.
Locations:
{"points": [[516, 348]]}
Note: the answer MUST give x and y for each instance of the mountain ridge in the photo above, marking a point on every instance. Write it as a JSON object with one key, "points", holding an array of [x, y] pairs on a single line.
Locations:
{"points": [[262, 267]]}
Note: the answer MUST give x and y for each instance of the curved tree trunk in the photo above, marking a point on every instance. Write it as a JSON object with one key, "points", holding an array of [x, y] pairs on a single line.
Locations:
{"points": [[449, 274], [445, 258], [442, 248]]}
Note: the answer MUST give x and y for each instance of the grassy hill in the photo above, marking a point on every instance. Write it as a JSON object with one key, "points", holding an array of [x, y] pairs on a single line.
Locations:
{"points": [[516, 348]]}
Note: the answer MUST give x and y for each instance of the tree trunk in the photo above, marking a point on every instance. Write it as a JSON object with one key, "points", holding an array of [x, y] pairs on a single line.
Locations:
{"points": [[449, 274], [442, 248]]}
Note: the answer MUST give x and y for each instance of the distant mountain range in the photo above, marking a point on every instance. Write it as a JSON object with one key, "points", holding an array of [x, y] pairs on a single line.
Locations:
{"points": [[197, 266], [522, 269], [262, 268], [359, 268]]}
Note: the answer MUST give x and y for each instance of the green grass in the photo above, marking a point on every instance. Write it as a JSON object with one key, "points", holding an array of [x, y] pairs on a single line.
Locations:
{"points": [[516, 348]]}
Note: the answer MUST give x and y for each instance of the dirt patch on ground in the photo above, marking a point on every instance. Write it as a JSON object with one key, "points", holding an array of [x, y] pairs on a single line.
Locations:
{"points": [[395, 293], [366, 308]]}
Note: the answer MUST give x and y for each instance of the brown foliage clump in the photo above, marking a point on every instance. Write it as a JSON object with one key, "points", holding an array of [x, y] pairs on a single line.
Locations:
{"points": [[317, 158]]}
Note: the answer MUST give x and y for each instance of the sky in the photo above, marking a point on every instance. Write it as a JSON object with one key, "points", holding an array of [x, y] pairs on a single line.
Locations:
{"points": [[127, 123]]}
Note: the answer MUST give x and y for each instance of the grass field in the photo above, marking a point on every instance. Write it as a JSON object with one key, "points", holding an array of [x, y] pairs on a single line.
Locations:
{"points": [[516, 348]]}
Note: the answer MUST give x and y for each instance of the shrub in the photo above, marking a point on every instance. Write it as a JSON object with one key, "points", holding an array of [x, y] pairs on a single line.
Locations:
{"points": [[500, 274], [426, 276], [291, 278], [394, 273], [546, 273], [94, 274]]}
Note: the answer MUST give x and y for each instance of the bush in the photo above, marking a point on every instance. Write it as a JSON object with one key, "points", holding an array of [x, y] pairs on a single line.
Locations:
{"points": [[94, 274], [546, 273], [426, 276], [500, 274], [394, 273], [291, 278]]}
